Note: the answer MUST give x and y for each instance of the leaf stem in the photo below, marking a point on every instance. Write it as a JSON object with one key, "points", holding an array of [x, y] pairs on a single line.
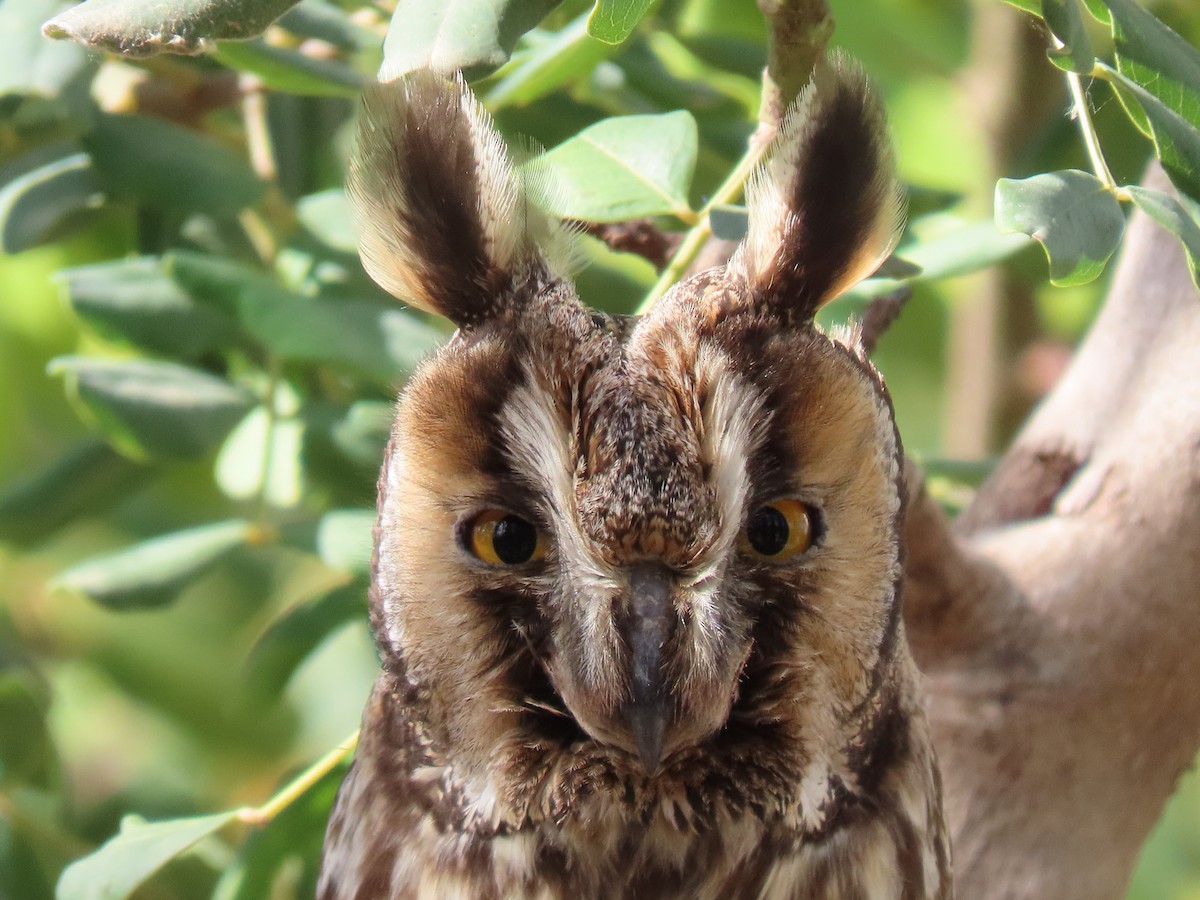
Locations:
{"points": [[261, 815], [1091, 140], [696, 237]]}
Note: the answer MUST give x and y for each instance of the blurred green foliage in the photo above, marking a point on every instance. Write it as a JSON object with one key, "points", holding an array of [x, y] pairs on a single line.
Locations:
{"points": [[184, 530]]}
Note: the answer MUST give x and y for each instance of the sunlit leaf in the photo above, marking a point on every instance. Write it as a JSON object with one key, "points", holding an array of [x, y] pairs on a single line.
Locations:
{"points": [[1029, 6], [261, 458], [385, 342], [1070, 213], [35, 202], [138, 28], [937, 246], [612, 21], [1176, 140], [134, 299], [363, 432], [164, 166], [86, 480], [475, 36], [290, 639], [624, 168], [153, 572], [344, 539], [1155, 57], [128, 859], [961, 249], [327, 22], [153, 409], [31, 64], [290, 70], [328, 218], [1171, 214], [556, 60]]}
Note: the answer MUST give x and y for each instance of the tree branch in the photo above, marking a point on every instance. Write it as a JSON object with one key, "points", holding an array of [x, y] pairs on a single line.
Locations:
{"points": [[1059, 633]]}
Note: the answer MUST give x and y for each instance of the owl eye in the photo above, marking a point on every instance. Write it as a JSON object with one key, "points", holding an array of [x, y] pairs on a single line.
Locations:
{"points": [[778, 530], [500, 538]]}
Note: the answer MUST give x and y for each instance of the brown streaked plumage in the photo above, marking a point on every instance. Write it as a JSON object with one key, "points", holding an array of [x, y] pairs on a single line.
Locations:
{"points": [[656, 699]]}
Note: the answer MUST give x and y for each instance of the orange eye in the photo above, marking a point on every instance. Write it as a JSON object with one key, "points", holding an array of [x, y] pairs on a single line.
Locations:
{"points": [[500, 538], [779, 530]]}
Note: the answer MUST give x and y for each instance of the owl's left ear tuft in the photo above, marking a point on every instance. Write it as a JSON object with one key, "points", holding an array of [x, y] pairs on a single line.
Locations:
{"points": [[825, 208], [444, 221]]}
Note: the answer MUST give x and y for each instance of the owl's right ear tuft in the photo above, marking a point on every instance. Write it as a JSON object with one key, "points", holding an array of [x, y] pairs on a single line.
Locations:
{"points": [[825, 207], [444, 223]]}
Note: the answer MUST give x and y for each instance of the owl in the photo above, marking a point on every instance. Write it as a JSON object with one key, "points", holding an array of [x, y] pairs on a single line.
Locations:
{"points": [[636, 580]]}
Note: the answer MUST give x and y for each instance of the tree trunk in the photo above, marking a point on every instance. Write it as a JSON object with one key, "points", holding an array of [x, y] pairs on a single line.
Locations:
{"points": [[1058, 620]]}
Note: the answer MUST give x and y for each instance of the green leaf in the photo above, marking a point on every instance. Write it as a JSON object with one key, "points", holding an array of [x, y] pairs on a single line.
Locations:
{"points": [[380, 341], [1172, 215], [137, 28], [36, 201], [131, 857], [152, 409], [554, 61], [363, 432], [86, 480], [1029, 6], [1065, 21], [476, 36], [261, 442], [1077, 221], [959, 248], [730, 222], [152, 573], [289, 640], [327, 217], [1176, 140], [940, 245], [30, 64], [1155, 57], [623, 168], [327, 22], [290, 70], [26, 751], [164, 166], [1098, 10], [287, 851], [612, 21], [344, 539], [22, 871], [134, 299]]}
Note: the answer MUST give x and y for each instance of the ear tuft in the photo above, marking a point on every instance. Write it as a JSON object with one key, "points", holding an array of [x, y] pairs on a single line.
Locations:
{"points": [[443, 221], [825, 207]]}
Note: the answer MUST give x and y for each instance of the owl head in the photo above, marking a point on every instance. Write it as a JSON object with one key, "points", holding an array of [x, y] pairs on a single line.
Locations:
{"points": [[635, 552]]}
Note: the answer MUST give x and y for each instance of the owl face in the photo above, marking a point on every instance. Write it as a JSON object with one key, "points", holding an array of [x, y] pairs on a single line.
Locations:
{"points": [[630, 545]]}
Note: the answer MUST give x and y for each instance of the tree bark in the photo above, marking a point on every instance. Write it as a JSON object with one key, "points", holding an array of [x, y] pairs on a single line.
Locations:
{"points": [[1058, 621]]}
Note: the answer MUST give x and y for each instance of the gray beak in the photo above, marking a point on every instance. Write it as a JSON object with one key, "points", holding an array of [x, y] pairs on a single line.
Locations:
{"points": [[651, 621]]}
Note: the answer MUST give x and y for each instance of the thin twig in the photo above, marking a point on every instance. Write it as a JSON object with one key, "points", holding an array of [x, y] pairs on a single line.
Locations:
{"points": [[261, 815], [695, 239]]}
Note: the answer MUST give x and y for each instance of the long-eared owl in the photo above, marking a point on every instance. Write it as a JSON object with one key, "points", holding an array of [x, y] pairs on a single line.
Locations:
{"points": [[636, 581]]}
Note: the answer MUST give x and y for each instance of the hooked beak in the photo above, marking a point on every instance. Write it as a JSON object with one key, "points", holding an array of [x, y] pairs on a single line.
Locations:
{"points": [[652, 619]]}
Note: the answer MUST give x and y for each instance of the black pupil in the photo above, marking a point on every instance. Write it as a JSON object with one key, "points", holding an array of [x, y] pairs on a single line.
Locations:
{"points": [[767, 531], [514, 540]]}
